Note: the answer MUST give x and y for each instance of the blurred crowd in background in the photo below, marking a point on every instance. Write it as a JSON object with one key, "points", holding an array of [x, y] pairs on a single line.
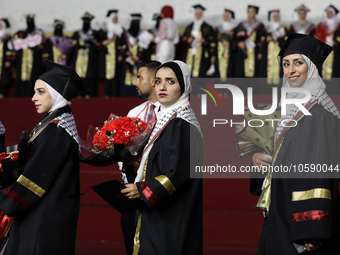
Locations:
{"points": [[110, 56]]}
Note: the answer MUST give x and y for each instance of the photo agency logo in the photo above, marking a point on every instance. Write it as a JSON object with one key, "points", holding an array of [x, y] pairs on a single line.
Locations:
{"points": [[238, 106]]}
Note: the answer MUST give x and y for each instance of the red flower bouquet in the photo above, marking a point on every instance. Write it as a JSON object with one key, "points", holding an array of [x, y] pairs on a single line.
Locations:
{"points": [[117, 131], [121, 130], [12, 156], [9, 169]]}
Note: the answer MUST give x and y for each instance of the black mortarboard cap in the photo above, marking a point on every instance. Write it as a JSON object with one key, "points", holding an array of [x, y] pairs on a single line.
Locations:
{"points": [[334, 8], [136, 16], [309, 46], [110, 192], [58, 22], [63, 79], [6, 23], [271, 11], [255, 7], [156, 16], [30, 16], [109, 12], [87, 16], [231, 13], [198, 6], [301, 7]]}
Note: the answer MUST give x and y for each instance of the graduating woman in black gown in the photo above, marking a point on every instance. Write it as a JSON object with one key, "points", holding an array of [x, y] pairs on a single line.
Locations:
{"points": [[303, 209], [44, 200], [172, 222]]}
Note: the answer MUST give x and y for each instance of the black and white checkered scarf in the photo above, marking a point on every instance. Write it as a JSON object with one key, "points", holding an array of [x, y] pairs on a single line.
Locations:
{"points": [[180, 109], [317, 87]]}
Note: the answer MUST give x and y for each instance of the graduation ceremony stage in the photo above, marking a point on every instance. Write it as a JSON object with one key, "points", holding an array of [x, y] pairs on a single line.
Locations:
{"points": [[231, 223]]}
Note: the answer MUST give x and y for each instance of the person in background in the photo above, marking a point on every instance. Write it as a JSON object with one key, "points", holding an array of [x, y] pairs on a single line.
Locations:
{"points": [[250, 38], [85, 55], [28, 46], [110, 57], [275, 39], [132, 53], [168, 36], [6, 57], [58, 46], [225, 34], [2, 138], [44, 200], [329, 32], [302, 26], [147, 40], [199, 39], [145, 88]]}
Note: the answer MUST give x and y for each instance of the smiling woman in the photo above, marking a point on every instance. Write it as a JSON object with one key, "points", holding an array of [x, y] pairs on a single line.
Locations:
{"points": [[295, 69], [302, 210]]}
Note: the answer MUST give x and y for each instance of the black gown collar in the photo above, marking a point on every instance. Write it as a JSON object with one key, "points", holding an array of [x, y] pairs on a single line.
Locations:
{"points": [[48, 117]]}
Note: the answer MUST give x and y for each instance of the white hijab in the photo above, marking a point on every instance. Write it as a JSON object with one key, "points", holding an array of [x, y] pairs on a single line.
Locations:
{"points": [[316, 86], [197, 26], [113, 28], [58, 101], [181, 107]]}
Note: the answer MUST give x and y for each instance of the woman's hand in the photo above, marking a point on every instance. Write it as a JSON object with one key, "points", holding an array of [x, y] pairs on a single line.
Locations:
{"points": [[313, 244], [261, 160], [130, 191]]}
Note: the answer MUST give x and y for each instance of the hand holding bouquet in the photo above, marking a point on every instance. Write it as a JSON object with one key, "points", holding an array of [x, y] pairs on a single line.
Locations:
{"points": [[119, 133]]}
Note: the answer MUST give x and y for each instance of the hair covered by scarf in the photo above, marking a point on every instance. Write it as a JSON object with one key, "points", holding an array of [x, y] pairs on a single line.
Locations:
{"points": [[316, 86], [58, 101], [167, 12], [181, 108]]}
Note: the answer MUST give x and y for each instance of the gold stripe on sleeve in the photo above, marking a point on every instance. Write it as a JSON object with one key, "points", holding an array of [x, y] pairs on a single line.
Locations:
{"points": [[167, 184], [312, 193], [31, 186]]}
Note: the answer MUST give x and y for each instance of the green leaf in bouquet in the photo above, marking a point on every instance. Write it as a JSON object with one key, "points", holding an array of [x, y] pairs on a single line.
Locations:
{"points": [[249, 152], [244, 145], [254, 137]]}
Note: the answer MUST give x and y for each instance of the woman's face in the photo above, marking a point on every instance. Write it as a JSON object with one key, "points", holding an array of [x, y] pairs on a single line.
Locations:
{"points": [[276, 17], [295, 69], [302, 14], [226, 16], [167, 88], [330, 14], [251, 13], [42, 98], [115, 19], [198, 14]]}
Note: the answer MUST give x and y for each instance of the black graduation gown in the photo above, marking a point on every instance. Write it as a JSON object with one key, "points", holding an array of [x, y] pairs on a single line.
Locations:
{"points": [[85, 60], [271, 50], [258, 69], [28, 66], [336, 50], [225, 65], [45, 198], [200, 63], [108, 66], [315, 140], [172, 224], [5, 72], [2, 138]]}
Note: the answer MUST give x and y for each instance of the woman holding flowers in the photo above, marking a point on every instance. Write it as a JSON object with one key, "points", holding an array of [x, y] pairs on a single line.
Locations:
{"points": [[302, 208], [44, 200], [172, 222]]}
